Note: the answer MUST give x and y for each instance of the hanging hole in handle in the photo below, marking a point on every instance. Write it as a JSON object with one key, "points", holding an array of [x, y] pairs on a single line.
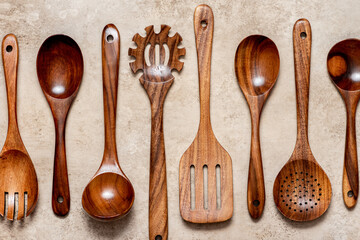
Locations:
{"points": [[350, 194], [9, 48], [256, 203], [60, 199], [203, 23], [303, 35], [109, 38], [158, 237]]}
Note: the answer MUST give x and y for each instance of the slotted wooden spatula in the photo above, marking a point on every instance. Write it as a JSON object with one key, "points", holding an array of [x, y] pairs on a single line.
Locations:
{"points": [[205, 155]]}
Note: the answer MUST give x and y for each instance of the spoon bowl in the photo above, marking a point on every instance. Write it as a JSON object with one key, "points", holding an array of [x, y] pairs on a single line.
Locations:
{"points": [[60, 68], [257, 65], [343, 65], [113, 191]]}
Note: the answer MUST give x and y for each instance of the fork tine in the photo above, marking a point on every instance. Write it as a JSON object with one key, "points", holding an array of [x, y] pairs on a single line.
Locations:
{"points": [[211, 187], [199, 188], [10, 203], [21, 205]]}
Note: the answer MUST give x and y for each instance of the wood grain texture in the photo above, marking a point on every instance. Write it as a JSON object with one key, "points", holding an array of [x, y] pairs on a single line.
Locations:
{"points": [[302, 190], [257, 65], [17, 171], [343, 63], [205, 150], [109, 195], [60, 69], [157, 80]]}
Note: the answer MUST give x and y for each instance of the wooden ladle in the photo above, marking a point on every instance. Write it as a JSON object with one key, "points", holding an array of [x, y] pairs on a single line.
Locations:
{"points": [[18, 176], [60, 68], [343, 63], [109, 195], [257, 66], [302, 190]]}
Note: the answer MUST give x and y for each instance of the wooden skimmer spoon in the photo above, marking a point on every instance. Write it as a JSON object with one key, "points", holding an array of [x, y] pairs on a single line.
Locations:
{"points": [[205, 151], [157, 80], [257, 66], [60, 68], [343, 64], [302, 190], [18, 176], [109, 195]]}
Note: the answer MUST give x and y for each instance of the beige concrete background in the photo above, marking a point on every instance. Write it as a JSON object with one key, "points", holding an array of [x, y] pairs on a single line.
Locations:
{"points": [[33, 21]]}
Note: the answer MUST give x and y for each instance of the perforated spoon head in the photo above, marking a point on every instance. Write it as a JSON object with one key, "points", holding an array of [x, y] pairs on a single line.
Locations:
{"points": [[302, 190], [257, 65], [343, 63]]}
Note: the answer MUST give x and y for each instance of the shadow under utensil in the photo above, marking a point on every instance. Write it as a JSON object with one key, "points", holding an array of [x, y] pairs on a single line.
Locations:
{"points": [[108, 229]]}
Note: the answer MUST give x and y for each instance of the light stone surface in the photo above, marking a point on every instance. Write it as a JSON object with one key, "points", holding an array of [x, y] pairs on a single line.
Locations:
{"points": [[33, 21]]}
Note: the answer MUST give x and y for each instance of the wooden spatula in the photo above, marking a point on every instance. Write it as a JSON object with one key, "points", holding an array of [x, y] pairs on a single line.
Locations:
{"points": [[205, 156]]}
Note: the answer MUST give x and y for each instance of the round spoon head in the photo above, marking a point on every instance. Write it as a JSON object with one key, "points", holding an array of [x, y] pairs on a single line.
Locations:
{"points": [[343, 63], [302, 190], [59, 66], [257, 65], [18, 176], [108, 196]]}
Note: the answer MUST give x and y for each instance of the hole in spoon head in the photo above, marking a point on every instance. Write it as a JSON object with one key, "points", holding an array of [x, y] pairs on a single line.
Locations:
{"points": [[350, 194], [59, 66], [257, 65], [9, 48], [109, 38], [60, 199]]}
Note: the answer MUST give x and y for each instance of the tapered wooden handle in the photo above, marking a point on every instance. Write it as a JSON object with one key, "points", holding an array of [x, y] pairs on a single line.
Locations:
{"points": [[302, 55], [204, 28], [351, 171], [158, 208], [256, 185], [10, 56], [110, 67], [61, 191]]}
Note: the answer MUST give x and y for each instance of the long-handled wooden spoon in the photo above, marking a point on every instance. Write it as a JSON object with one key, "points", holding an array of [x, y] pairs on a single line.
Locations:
{"points": [[343, 64], [60, 68], [302, 190], [109, 195], [157, 80], [18, 176], [205, 154], [257, 66]]}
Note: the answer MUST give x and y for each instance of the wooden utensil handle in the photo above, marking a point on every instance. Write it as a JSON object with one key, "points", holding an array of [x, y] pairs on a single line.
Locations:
{"points": [[302, 55], [10, 56], [351, 171], [110, 68], [61, 191], [256, 185], [204, 28], [158, 209]]}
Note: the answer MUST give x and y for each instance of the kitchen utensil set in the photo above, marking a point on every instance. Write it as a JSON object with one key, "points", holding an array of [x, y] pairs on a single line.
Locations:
{"points": [[302, 190]]}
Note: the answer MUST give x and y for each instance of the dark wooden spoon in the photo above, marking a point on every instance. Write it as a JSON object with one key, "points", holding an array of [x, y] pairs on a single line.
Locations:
{"points": [[109, 195], [18, 176], [257, 66], [343, 64], [302, 190], [60, 69]]}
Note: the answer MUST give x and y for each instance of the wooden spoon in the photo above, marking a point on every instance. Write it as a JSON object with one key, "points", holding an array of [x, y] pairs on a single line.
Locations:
{"points": [[60, 68], [109, 195], [157, 80], [205, 154], [18, 176], [257, 66], [343, 64], [302, 190]]}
